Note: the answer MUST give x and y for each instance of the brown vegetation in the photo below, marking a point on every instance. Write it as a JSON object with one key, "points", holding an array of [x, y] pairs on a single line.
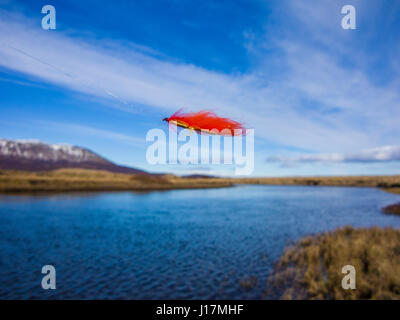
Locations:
{"points": [[392, 209], [96, 180], [393, 190], [311, 269], [93, 180], [386, 182]]}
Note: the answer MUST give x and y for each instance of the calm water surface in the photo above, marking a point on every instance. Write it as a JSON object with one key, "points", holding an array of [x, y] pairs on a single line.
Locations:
{"points": [[201, 244]]}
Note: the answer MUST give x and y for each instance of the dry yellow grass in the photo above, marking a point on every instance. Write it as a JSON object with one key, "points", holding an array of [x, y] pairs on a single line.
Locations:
{"points": [[92, 180], [95, 180], [390, 182], [311, 269], [393, 190]]}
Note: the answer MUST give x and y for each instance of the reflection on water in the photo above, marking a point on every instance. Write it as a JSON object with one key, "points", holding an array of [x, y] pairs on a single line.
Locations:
{"points": [[218, 243]]}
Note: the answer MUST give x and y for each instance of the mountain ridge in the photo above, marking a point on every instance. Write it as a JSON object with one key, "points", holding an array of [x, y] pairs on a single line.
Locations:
{"points": [[35, 155]]}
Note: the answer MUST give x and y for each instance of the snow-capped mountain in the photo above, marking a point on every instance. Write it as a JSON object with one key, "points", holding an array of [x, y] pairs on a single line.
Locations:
{"points": [[36, 150], [32, 155]]}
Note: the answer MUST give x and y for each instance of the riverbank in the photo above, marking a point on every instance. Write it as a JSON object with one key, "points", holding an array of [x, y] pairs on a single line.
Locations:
{"points": [[311, 268], [96, 180], [392, 209], [66, 180], [388, 183], [392, 190]]}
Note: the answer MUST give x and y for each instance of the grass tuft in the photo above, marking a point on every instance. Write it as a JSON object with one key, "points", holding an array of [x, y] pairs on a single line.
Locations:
{"points": [[392, 209], [311, 268]]}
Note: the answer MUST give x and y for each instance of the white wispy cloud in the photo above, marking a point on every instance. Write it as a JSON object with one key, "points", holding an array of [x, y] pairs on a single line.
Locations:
{"points": [[91, 131], [380, 154], [344, 101], [77, 129]]}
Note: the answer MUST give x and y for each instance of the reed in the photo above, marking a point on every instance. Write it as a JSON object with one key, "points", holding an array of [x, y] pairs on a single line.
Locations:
{"points": [[311, 268]]}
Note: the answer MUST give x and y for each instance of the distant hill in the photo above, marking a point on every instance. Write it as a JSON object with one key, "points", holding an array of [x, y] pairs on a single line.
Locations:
{"points": [[33, 155], [199, 176]]}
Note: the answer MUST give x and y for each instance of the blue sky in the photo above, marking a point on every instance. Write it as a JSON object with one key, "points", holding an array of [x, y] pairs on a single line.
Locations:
{"points": [[322, 100]]}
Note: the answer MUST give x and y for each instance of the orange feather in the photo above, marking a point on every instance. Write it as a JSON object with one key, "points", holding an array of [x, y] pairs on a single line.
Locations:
{"points": [[206, 122]]}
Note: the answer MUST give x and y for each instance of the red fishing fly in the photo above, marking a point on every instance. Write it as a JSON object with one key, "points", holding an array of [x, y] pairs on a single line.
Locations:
{"points": [[206, 122]]}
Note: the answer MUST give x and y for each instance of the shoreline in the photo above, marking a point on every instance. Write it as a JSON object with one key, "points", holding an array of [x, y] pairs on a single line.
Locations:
{"points": [[393, 209], [81, 180]]}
